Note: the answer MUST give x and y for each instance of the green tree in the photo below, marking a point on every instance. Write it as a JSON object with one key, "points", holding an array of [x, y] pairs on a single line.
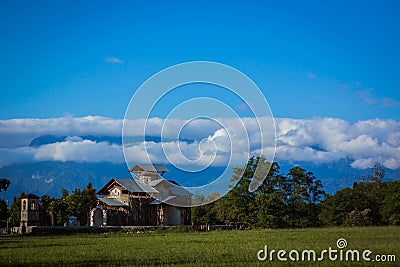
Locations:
{"points": [[58, 209], [88, 195], [270, 197], [369, 202], [15, 211], [4, 213], [334, 209], [55, 211], [391, 203], [221, 211], [239, 199], [78, 203], [75, 205], [368, 194], [198, 212], [316, 193], [4, 184], [44, 210], [327, 211], [303, 191], [206, 213]]}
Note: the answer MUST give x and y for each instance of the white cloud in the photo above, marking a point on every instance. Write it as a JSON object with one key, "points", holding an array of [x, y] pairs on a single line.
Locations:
{"points": [[317, 140], [82, 151], [363, 163], [114, 60], [326, 139], [19, 132]]}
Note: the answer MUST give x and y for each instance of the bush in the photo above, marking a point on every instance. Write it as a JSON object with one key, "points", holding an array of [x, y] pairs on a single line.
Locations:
{"points": [[394, 219], [359, 218]]}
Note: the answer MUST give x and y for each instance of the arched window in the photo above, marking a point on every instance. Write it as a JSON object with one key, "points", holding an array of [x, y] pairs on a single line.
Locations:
{"points": [[24, 205]]}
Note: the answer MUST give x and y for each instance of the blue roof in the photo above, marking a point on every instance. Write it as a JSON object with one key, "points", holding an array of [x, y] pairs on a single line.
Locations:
{"points": [[172, 186], [162, 200], [113, 202], [148, 168], [135, 185]]}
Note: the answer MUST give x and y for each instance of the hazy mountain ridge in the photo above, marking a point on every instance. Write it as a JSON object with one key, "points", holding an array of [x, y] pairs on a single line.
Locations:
{"points": [[49, 177], [51, 139]]}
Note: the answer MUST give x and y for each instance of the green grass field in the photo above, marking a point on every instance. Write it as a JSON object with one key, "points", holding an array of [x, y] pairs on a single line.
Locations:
{"points": [[215, 248]]}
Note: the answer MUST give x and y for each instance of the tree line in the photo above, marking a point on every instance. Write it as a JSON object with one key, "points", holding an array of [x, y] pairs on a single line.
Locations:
{"points": [[297, 199], [292, 200], [54, 211]]}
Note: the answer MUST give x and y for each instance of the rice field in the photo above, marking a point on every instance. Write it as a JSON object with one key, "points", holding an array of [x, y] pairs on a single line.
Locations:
{"points": [[175, 247]]}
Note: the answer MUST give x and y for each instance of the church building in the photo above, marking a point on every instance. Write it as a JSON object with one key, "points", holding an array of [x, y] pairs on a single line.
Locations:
{"points": [[145, 199]]}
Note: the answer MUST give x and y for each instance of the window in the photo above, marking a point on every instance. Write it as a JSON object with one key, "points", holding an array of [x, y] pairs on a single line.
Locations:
{"points": [[115, 193], [24, 205], [33, 205]]}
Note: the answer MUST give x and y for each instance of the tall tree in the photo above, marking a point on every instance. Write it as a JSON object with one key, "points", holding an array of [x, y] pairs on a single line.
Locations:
{"points": [[369, 202], [391, 203], [239, 198], [4, 184], [88, 195], [303, 193], [4, 212], [270, 197], [44, 210], [15, 210]]}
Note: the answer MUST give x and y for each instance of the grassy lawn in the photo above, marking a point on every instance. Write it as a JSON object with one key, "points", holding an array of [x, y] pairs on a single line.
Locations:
{"points": [[216, 248]]}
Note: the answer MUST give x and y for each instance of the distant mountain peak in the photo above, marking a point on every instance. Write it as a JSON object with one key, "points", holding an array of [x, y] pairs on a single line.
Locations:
{"points": [[51, 139]]}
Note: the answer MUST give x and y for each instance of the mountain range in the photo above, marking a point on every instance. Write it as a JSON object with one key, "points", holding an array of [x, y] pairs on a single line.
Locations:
{"points": [[49, 177]]}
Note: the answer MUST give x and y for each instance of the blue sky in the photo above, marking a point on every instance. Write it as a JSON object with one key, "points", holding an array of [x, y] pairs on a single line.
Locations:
{"points": [[310, 58], [330, 71]]}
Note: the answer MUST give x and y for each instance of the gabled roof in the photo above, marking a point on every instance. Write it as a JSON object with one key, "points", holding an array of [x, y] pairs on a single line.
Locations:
{"points": [[148, 168], [135, 185], [174, 188], [132, 185]]}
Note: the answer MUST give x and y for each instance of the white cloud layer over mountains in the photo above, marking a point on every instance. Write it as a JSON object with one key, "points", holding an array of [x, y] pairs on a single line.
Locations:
{"points": [[317, 140]]}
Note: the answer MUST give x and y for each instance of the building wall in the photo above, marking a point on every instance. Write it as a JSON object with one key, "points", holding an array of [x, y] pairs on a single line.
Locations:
{"points": [[148, 176], [118, 192]]}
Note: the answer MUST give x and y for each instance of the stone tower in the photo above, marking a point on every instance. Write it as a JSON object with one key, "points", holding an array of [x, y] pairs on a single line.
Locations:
{"points": [[29, 212]]}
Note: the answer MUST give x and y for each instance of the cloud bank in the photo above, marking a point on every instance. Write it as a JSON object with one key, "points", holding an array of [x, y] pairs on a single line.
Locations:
{"points": [[318, 140], [20, 132]]}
